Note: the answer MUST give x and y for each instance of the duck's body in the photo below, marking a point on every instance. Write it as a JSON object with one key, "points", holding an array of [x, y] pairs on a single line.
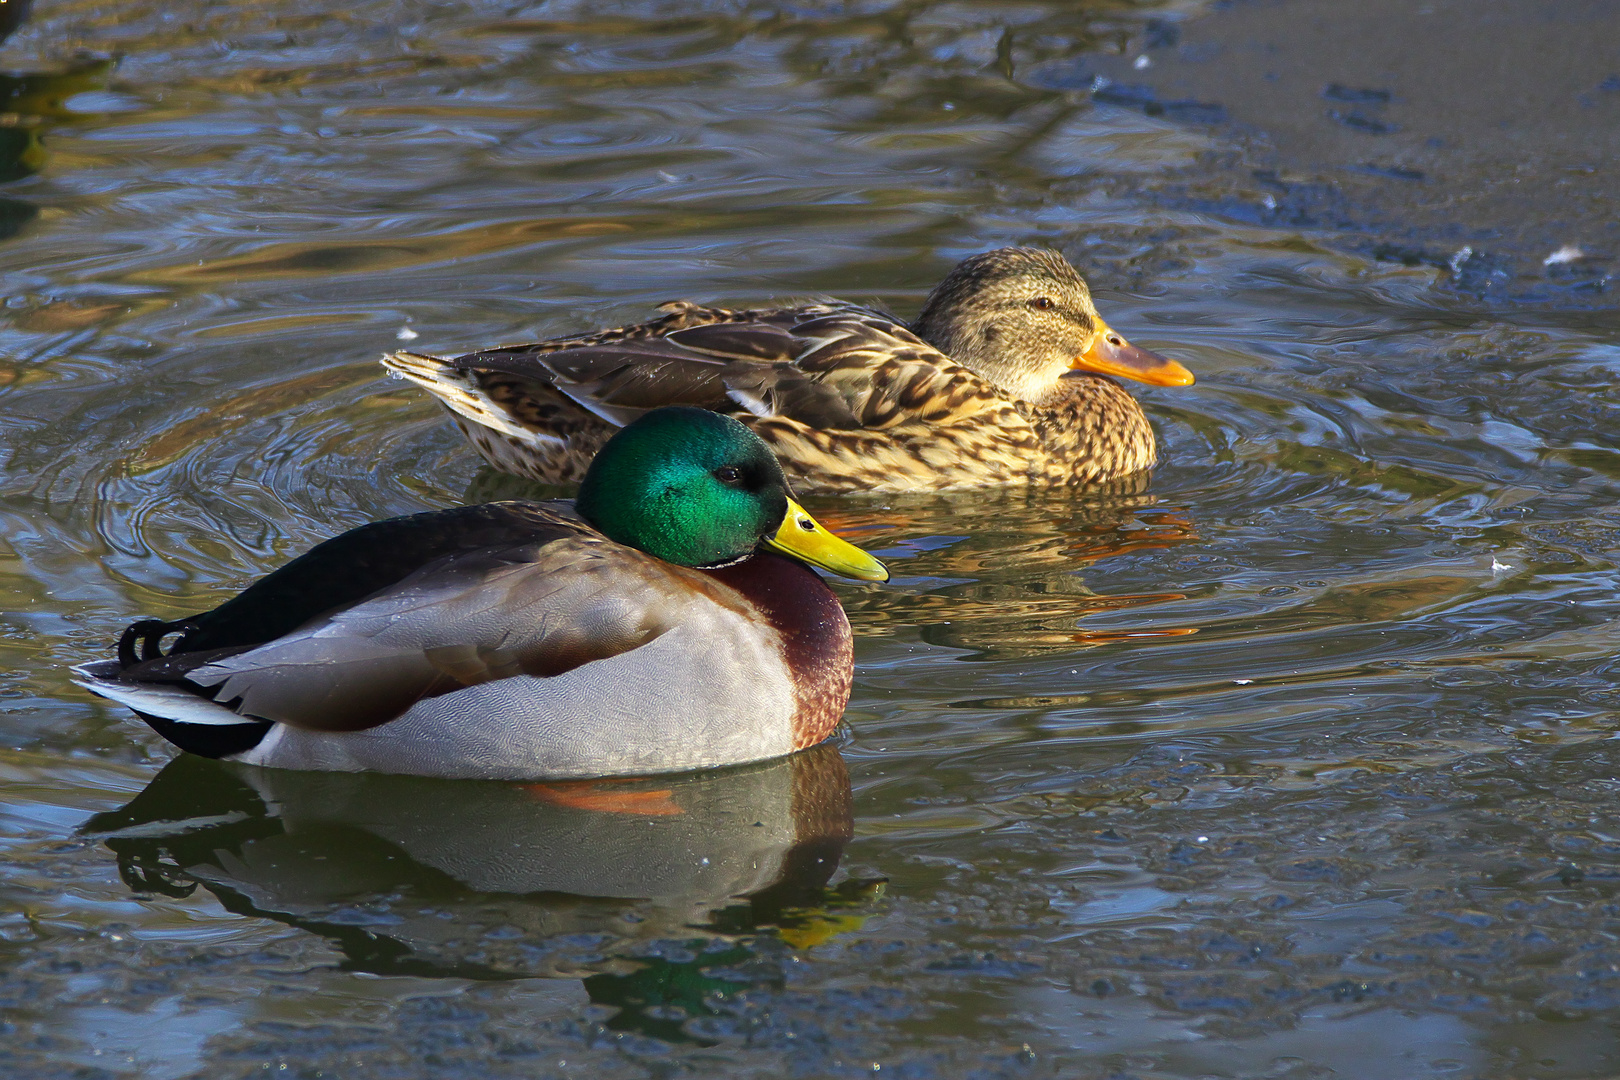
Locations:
{"points": [[512, 640], [848, 398]]}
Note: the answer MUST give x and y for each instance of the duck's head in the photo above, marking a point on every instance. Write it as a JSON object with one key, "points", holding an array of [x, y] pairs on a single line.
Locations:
{"points": [[1021, 317], [697, 488]]}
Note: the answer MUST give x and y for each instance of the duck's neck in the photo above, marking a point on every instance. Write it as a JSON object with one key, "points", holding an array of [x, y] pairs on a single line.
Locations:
{"points": [[816, 639], [980, 350]]}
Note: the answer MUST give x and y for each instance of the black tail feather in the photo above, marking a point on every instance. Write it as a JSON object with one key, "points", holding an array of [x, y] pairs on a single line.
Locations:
{"points": [[148, 634], [210, 740]]}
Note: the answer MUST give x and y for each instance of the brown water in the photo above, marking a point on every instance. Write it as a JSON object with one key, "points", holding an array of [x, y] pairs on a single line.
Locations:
{"points": [[1301, 764]]}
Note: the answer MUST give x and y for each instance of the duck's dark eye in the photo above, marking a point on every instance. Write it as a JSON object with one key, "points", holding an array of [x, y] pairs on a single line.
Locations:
{"points": [[1042, 303], [728, 474]]}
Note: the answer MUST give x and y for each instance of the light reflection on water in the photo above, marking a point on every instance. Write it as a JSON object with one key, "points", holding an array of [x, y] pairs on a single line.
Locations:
{"points": [[1307, 745]]}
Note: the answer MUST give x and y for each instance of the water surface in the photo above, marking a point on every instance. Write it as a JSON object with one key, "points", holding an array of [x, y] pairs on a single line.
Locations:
{"points": [[1303, 760]]}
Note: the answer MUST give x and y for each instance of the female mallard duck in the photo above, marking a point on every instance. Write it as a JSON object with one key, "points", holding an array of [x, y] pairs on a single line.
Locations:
{"points": [[1003, 378], [652, 628]]}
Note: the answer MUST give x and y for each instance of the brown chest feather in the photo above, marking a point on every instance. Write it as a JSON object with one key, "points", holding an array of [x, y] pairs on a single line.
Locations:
{"points": [[816, 638]]}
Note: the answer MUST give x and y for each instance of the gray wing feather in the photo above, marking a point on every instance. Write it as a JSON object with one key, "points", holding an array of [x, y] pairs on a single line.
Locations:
{"points": [[463, 621]]}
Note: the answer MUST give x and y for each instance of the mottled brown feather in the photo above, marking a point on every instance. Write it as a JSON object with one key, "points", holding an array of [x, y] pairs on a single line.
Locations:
{"points": [[847, 397]]}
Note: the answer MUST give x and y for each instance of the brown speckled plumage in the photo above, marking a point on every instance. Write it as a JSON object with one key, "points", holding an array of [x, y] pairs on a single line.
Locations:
{"points": [[848, 398], [1092, 431]]}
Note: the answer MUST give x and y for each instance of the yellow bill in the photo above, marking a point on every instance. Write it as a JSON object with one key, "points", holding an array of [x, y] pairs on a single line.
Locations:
{"points": [[803, 537], [1111, 354]]}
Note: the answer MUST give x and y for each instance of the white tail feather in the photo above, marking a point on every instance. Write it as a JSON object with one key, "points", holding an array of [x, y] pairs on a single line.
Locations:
{"points": [[169, 702], [460, 393]]}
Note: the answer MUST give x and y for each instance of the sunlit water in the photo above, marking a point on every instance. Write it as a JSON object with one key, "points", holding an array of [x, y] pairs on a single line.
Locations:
{"points": [[1303, 760]]}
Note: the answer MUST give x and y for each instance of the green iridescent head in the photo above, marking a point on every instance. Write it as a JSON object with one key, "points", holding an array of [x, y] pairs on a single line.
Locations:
{"points": [[687, 485], [697, 488]]}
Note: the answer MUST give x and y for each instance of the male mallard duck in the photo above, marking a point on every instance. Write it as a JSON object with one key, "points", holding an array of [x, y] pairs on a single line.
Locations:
{"points": [[651, 628], [978, 391]]}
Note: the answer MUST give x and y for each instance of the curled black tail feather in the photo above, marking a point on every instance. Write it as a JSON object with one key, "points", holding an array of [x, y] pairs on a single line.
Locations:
{"points": [[148, 634]]}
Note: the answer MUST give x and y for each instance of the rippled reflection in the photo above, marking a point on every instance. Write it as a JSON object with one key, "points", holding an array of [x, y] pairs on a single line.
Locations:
{"points": [[650, 891], [31, 103]]}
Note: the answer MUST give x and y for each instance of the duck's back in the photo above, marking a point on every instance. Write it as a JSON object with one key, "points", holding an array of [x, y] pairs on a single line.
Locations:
{"points": [[847, 397]]}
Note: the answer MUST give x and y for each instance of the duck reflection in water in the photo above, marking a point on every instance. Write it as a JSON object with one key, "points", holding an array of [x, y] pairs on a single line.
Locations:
{"points": [[1002, 574], [654, 892]]}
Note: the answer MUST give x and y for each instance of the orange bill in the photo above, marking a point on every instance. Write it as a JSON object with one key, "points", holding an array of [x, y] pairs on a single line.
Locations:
{"points": [[1111, 354]]}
